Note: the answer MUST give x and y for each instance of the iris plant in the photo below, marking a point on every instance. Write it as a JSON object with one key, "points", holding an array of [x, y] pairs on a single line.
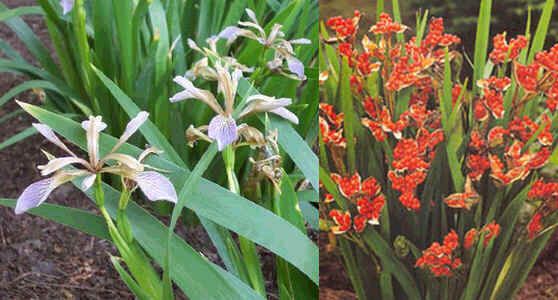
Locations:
{"points": [[227, 72], [154, 185], [275, 40]]}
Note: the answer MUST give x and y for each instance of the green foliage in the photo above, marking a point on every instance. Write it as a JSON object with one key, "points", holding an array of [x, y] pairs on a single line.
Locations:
{"points": [[394, 255], [117, 58]]}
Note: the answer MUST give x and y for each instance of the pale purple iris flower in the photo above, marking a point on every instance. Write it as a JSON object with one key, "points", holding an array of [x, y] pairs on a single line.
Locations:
{"points": [[202, 69], [223, 127], [154, 185], [67, 6], [275, 40]]}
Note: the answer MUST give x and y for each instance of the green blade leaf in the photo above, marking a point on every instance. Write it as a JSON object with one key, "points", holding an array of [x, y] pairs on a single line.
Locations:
{"points": [[298, 150], [75, 218], [149, 130], [210, 201], [31, 41], [127, 278], [481, 40], [195, 270], [391, 264], [542, 30]]}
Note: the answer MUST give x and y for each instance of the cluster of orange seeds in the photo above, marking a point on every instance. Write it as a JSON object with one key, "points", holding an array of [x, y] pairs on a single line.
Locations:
{"points": [[547, 193], [502, 145], [439, 259], [331, 126], [368, 199], [506, 152], [490, 231]]}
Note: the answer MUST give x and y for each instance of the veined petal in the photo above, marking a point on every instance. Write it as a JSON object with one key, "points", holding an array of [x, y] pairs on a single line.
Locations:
{"points": [[49, 134], [227, 85], [296, 67], [59, 163], [93, 127], [285, 114], [231, 33], [222, 129], [34, 195], [192, 92], [67, 6], [126, 160], [263, 103], [131, 128], [88, 182], [156, 186]]}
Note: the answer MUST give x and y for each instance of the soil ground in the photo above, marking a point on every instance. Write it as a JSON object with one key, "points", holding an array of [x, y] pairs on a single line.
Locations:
{"points": [[41, 259]]}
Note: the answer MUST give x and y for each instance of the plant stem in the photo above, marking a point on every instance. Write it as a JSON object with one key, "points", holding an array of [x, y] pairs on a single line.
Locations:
{"points": [[132, 254], [247, 247], [121, 219]]}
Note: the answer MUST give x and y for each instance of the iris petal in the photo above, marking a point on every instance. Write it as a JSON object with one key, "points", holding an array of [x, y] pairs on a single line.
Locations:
{"points": [[156, 186], [296, 67], [285, 114], [67, 6], [223, 130], [34, 195], [131, 128]]}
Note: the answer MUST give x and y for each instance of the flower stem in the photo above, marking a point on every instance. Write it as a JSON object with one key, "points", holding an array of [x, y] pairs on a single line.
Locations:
{"points": [[121, 219], [131, 252], [247, 247]]}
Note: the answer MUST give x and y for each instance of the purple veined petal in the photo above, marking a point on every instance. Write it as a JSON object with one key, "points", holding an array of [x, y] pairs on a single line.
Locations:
{"points": [[301, 41], [67, 6], [296, 67], [285, 114], [231, 33], [131, 128], [49, 134], [156, 186], [263, 103], [192, 92], [59, 163], [223, 130], [34, 195], [88, 182]]}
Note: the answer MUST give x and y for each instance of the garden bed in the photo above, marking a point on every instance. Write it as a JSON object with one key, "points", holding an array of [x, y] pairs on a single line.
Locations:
{"points": [[40, 259]]}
